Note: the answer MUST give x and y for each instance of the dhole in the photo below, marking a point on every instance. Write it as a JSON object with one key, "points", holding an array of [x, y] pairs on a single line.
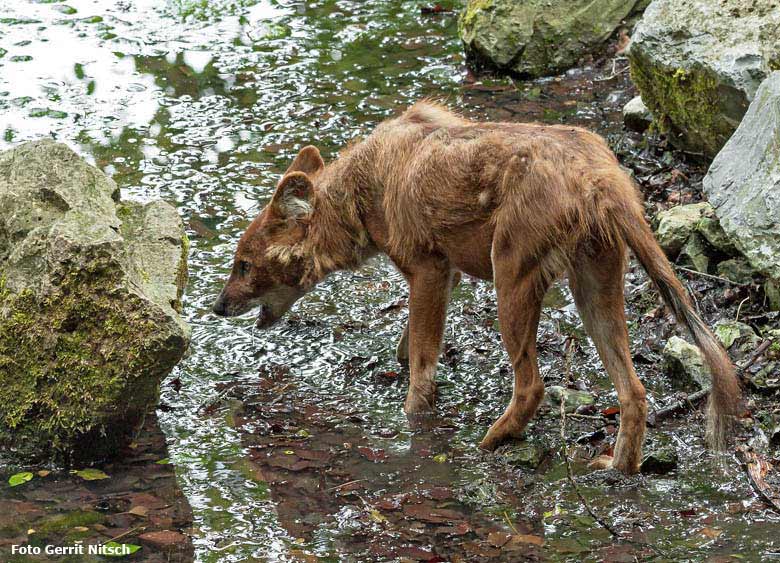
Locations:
{"points": [[518, 204]]}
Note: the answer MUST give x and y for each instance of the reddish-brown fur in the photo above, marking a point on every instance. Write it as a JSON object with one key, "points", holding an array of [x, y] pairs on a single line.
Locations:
{"points": [[519, 204]]}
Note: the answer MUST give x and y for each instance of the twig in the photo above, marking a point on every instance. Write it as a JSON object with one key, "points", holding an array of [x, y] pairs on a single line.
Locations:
{"points": [[128, 532], [598, 418], [509, 522], [569, 474], [346, 484], [739, 308], [705, 275], [681, 405]]}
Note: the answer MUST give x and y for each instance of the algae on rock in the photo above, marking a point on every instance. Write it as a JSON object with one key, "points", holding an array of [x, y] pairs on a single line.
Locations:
{"points": [[89, 294]]}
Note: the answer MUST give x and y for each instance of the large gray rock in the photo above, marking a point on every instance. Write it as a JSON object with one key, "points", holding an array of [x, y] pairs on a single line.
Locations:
{"points": [[89, 293], [540, 37], [698, 64], [743, 182]]}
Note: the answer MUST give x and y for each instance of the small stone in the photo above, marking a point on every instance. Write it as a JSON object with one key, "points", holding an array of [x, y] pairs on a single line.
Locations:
{"points": [[573, 399], [524, 454], [636, 116], [739, 335], [660, 460], [684, 359], [676, 224]]}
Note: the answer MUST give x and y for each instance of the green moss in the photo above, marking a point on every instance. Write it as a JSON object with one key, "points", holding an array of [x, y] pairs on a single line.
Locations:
{"points": [[74, 365], [687, 103], [473, 8]]}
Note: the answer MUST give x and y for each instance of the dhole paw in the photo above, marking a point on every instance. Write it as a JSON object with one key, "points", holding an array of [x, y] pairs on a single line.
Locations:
{"points": [[496, 437], [417, 403]]}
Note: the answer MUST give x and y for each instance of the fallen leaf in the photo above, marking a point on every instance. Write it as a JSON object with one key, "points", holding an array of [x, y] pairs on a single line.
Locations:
{"points": [[114, 549], [163, 461], [19, 478], [440, 458], [139, 510], [518, 539], [43, 473], [498, 539]]}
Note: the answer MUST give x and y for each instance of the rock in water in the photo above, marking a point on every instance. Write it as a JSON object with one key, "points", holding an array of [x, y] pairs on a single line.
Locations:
{"points": [[743, 183], [90, 289], [698, 64], [540, 37]]}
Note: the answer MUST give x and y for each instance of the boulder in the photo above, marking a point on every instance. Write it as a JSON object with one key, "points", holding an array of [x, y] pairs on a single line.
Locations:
{"points": [[540, 37], [90, 289], [743, 184], [636, 116], [699, 63]]}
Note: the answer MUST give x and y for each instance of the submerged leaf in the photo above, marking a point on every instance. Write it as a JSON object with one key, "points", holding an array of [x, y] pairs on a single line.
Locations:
{"points": [[91, 474]]}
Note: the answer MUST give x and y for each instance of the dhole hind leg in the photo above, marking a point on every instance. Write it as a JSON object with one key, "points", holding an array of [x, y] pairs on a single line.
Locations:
{"points": [[429, 293], [596, 281], [519, 307]]}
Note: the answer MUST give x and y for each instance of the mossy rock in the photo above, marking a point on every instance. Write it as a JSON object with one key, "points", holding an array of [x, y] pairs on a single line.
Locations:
{"points": [[540, 37], [698, 64], [89, 294]]}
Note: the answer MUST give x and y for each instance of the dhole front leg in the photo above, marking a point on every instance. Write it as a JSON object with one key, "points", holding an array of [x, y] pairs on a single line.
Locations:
{"points": [[402, 350], [429, 291], [519, 307]]}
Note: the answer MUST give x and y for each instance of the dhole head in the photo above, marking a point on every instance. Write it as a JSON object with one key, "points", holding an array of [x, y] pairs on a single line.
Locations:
{"points": [[270, 262]]}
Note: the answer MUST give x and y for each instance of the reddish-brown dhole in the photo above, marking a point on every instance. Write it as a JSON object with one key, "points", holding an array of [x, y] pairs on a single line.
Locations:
{"points": [[519, 204]]}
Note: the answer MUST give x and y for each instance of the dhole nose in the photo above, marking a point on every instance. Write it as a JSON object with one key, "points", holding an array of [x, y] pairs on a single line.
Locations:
{"points": [[220, 308]]}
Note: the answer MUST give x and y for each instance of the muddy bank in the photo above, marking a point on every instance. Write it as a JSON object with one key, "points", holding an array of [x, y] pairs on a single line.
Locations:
{"points": [[134, 501]]}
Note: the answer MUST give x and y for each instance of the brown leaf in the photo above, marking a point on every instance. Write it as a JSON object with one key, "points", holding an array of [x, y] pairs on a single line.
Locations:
{"points": [[433, 515], [498, 539], [519, 539], [139, 510]]}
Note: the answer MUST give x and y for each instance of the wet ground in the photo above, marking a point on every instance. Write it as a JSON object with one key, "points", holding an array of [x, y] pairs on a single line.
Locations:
{"points": [[290, 444]]}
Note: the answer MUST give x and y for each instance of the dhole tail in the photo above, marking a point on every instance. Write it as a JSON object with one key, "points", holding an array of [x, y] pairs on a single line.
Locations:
{"points": [[725, 393]]}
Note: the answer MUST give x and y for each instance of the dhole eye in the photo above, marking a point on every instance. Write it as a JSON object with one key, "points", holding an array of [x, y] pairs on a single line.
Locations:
{"points": [[243, 268]]}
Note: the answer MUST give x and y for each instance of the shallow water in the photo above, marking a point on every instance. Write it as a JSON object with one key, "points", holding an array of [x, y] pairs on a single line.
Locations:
{"points": [[204, 103]]}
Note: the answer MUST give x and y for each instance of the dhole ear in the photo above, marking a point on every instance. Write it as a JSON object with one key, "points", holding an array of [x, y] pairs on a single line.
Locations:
{"points": [[293, 194], [309, 161]]}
